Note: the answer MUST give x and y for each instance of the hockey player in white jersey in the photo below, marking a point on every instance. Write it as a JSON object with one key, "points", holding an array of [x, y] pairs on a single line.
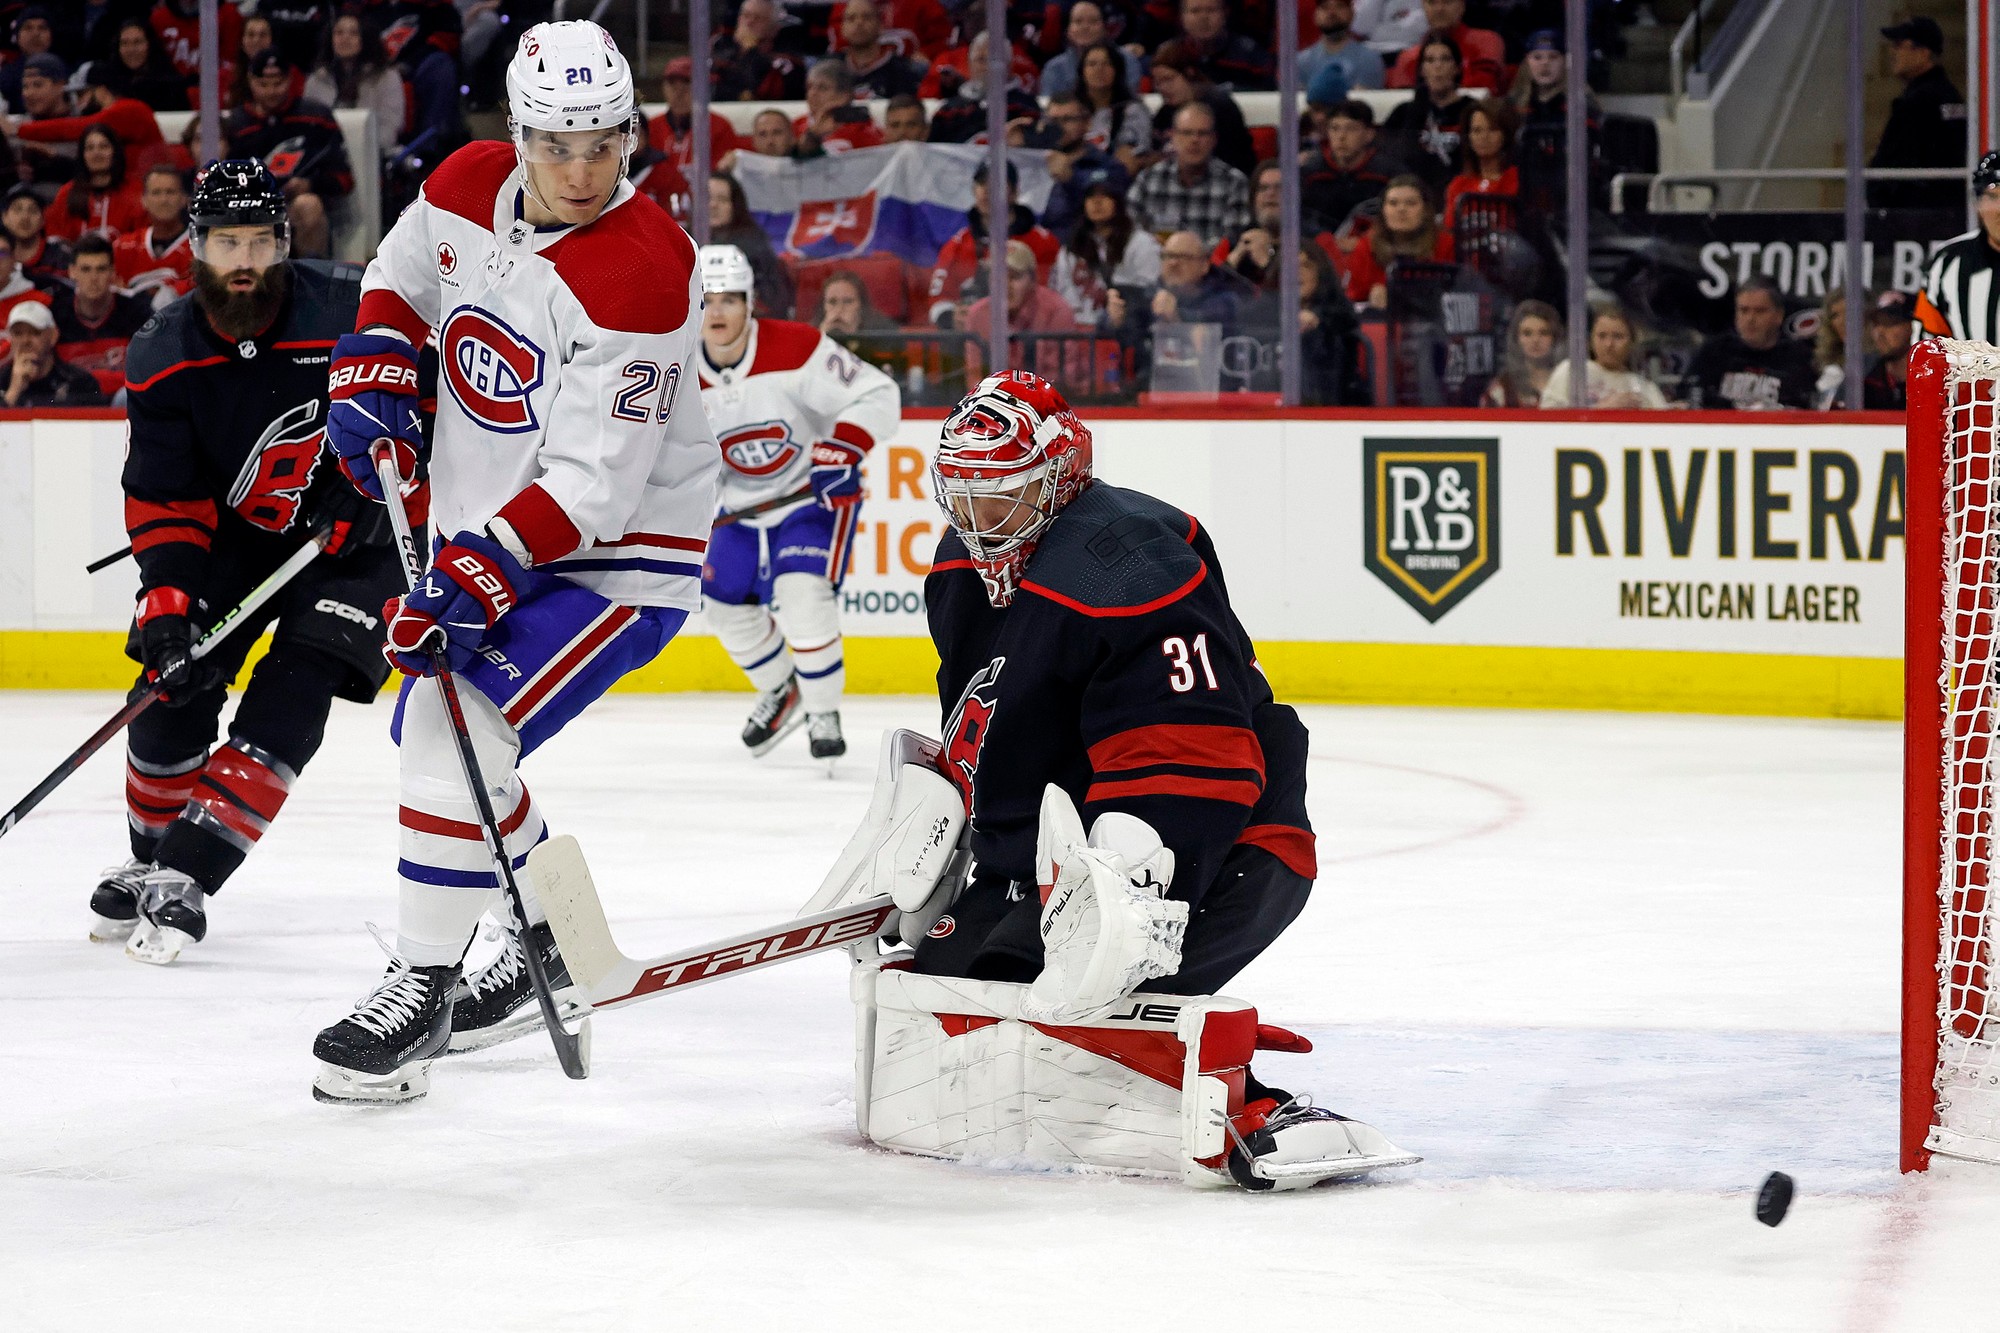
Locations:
{"points": [[573, 483], [795, 414]]}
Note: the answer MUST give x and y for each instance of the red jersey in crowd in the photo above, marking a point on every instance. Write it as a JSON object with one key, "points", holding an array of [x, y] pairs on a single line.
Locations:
{"points": [[106, 212], [99, 347], [678, 145], [145, 266], [128, 118], [962, 255], [1507, 182], [856, 129], [180, 34], [1023, 73], [911, 27], [1359, 271], [1485, 61]]}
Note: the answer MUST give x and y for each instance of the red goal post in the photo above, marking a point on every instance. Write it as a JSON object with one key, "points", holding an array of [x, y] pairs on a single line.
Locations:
{"points": [[1951, 755]]}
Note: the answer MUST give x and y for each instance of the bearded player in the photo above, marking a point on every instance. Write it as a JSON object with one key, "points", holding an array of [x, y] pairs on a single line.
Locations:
{"points": [[224, 478], [795, 414], [1094, 676], [574, 481]]}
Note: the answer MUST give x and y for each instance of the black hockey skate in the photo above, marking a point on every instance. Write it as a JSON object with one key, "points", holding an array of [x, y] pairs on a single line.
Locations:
{"points": [[1297, 1145], [497, 1003], [172, 915], [382, 1052], [114, 903], [823, 730], [776, 716]]}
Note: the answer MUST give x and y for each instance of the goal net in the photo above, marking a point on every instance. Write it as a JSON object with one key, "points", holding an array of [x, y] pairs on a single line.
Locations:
{"points": [[1951, 1013]]}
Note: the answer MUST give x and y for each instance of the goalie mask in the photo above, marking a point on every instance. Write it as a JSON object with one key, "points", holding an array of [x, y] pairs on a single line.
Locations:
{"points": [[1012, 454]]}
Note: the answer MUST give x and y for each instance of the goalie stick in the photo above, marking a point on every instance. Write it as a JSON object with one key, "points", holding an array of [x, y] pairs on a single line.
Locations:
{"points": [[572, 1048], [259, 595], [609, 977]]}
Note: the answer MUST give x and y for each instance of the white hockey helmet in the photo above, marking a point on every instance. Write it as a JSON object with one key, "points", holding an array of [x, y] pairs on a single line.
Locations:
{"points": [[724, 268], [568, 76]]}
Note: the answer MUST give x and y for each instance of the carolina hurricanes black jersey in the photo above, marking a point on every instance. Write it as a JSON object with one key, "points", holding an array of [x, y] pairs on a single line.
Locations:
{"points": [[227, 438], [1119, 673]]}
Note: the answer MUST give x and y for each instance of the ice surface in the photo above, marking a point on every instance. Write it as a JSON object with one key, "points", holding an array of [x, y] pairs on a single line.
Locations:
{"points": [[1604, 972]]}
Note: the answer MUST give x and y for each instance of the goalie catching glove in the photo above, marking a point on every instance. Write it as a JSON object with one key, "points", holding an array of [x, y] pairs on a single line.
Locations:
{"points": [[1106, 924]]}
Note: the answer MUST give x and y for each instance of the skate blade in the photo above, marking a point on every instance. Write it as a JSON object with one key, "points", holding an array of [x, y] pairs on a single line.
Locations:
{"points": [[351, 1087], [111, 930], [158, 945], [759, 751], [1303, 1175], [526, 1019]]}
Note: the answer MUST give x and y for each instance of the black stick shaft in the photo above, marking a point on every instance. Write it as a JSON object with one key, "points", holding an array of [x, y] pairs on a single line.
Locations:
{"points": [[569, 1049], [762, 507], [259, 595], [107, 561]]}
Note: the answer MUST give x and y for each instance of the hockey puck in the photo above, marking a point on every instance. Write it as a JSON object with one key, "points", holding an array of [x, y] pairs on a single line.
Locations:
{"points": [[1774, 1198]]}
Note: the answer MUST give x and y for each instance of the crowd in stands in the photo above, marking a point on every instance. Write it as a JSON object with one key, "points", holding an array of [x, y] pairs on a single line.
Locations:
{"points": [[1426, 271]]}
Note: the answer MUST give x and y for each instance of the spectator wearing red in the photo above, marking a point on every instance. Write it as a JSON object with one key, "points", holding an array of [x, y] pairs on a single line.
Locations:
{"points": [[354, 71], [879, 69], [156, 261], [967, 64], [1427, 131], [97, 103], [1408, 229], [1349, 171], [745, 64], [834, 122], [139, 69], [1483, 53], [33, 375], [33, 35], [1031, 308], [672, 132], [44, 260], [298, 141], [258, 37], [1487, 157], [965, 253], [102, 200], [94, 321], [962, 118], [1229, 60], [177, 23], [916, 28]]}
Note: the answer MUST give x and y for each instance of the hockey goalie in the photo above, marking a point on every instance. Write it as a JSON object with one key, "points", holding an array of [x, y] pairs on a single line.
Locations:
{"points": [[1137, 835]]}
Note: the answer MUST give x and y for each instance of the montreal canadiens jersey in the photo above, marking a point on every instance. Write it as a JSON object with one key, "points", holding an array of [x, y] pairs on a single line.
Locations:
{"points": [[794, 387], [562, 359]]}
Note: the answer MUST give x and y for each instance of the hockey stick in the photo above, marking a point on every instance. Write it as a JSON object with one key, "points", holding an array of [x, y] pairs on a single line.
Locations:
{"points": [[762, 507], [609, 978], [259, 595], [571, 1047], [107, 561]]}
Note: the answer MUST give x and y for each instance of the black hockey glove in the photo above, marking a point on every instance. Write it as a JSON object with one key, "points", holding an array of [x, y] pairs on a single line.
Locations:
{"points": [[357, 520], [166, 646]]}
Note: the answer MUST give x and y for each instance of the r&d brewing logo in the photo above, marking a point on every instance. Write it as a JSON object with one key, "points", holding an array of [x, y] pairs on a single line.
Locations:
{"points": [[1432, 527]]}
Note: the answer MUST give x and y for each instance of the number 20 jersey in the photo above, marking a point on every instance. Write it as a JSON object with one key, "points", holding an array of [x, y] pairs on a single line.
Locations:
{"points": [[793, 388], [565, 396]]}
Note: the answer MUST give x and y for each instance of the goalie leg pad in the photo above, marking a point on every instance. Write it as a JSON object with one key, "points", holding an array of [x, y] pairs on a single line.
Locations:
{"points": [[948, 1067]]}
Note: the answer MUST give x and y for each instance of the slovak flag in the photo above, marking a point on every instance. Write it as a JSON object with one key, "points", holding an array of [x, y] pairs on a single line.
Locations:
{"points": [[904, 199], [824, 228]]}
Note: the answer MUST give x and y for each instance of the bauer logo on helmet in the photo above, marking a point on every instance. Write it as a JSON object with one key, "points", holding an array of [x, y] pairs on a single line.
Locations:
{"points": [[491, 370]]}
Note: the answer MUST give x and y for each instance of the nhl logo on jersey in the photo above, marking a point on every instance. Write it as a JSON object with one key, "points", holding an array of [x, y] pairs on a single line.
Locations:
{"points": [[491, 370], [1432, 521], [760, 450]]}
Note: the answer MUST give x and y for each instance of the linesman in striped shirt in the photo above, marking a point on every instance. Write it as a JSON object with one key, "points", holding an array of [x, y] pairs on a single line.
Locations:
{"points": [[1960, 296]]}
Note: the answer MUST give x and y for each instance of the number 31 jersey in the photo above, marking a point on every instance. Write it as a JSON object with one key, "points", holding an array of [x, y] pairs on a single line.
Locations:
{"points": [[793, 388], [563, 361]]}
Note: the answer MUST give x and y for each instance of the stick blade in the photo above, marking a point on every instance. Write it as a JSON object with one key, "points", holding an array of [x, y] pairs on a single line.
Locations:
{"points": [[569, 897]]}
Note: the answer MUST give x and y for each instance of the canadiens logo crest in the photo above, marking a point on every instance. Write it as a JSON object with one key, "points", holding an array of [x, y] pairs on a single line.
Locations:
{"points": [[760, 450], [447, 258], [965, 731], [491, 370]]}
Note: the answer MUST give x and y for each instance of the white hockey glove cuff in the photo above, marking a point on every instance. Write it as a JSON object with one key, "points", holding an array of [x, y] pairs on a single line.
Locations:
{"points": [[1106, 924]]}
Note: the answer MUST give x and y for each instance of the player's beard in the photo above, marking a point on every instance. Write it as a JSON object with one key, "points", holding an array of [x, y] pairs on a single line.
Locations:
{"points": [[240, 315]]}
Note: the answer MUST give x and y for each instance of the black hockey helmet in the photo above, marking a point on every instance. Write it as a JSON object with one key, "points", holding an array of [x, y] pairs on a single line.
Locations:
{"points": [[1986, 175], [238, 192]]}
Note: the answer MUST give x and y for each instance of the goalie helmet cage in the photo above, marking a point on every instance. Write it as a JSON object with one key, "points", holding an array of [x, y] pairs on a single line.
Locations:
{"points": [[1951, 755]]}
